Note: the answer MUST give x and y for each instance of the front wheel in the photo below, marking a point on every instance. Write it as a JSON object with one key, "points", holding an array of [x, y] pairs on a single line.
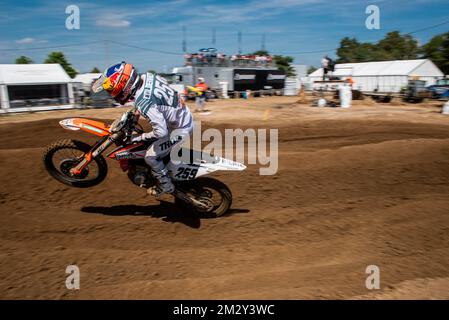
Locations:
{"points": [[64, 155], [213, 194]]}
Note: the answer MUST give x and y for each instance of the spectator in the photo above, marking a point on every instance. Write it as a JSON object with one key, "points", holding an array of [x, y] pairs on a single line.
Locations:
{"points": [[325, 64], [350, 81], [201, 89]]}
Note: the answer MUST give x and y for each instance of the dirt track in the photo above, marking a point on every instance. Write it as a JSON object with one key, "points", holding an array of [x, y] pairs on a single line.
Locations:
{"points": [[354, 188]]}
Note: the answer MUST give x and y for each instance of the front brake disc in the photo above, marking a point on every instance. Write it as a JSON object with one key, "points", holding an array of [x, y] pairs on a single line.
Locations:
{"points": [[207, 204], [68, 164]]}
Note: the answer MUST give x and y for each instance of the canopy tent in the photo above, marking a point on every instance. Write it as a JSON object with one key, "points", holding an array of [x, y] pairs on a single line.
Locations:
{"points": [[86, 80], [384, 76], [32, 87]]}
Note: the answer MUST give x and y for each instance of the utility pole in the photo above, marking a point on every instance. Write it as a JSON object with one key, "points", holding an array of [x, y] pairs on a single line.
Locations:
{"points": [[239, 39], [184, 39], [214, 40], [263, 43]]}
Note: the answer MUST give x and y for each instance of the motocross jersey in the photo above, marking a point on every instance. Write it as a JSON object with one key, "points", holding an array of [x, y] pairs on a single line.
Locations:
{"points": [[162, 106]]}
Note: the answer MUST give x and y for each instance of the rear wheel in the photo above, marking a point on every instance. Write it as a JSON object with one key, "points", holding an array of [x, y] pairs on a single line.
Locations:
{"points": [[63, 155], [213, 194]]}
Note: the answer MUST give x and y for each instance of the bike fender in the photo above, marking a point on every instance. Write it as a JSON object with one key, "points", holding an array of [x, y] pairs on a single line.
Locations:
{"points": [[225, 164], [95, 127], [182, 171]]}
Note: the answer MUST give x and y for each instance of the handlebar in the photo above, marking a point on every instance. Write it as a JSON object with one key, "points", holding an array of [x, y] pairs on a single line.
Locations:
{"points": [[127, 123]]}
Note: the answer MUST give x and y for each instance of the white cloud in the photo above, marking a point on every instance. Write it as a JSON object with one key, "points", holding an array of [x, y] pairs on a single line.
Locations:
{"points": [[113, 23], [26, 41], [121, 16], [245, 12], [30, 40]]}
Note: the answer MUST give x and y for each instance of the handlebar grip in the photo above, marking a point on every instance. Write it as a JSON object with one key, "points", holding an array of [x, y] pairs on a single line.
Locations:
{"points": [[117, 136]]}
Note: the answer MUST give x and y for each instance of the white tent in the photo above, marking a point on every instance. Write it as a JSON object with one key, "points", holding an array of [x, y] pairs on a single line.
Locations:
{"points": [[384, 76], [86, 80], [300, 70], [33, 87], [293, 84]]}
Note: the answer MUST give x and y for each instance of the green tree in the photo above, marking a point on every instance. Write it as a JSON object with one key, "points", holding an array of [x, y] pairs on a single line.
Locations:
{"points": [[23, 60], [393, 46], [260, 53], [311, 69], [351, 50], [58, 57], [437, 50], [347, 50], [95, 70], [282, 62], [399, 47]]}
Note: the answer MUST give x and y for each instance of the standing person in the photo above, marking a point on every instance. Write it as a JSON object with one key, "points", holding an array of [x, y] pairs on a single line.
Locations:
{"points": [[350, 81], [331, 67], [158, 103], [325, 64], [201, 88]]}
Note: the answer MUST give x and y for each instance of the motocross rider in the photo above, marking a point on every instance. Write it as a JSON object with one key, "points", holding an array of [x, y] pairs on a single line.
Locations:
{"points": [[158, 103]]}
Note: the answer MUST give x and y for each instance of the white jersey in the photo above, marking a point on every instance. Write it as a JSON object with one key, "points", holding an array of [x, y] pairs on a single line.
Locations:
{"points": [[324, 63], [162, 106]]}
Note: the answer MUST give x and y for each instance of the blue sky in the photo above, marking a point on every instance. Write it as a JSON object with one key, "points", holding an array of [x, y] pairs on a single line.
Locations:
{"points": [[290, 27]]}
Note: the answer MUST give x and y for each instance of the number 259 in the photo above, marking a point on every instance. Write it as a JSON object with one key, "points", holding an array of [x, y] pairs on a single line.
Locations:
{"points": [[186, 173]]}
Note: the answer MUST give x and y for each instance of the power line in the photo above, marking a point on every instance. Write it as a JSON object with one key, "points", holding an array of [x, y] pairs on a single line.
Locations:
{"points": [[52, 47], [262, 47], [147, 49], [427, 28], [184, 44], [104, 42], [335, 49], [308, 52]]}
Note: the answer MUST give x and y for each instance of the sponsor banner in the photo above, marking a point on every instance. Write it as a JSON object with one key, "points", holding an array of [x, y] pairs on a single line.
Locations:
{"points": [[244, 79], [258, 79]]}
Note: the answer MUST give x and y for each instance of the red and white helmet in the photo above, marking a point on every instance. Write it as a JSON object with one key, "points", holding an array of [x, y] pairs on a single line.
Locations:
{"points": [[121, 81]]}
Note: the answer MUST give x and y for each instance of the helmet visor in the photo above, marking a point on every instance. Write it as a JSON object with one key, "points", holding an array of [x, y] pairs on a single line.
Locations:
{"points": [[97, 86]]}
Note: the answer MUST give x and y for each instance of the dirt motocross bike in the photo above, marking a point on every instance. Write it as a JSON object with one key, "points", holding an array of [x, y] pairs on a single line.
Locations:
{"points": [[81, 165]]}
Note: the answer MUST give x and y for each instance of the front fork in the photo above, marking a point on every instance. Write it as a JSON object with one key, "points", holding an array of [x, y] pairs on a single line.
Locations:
{"points": [[96, 150]]}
